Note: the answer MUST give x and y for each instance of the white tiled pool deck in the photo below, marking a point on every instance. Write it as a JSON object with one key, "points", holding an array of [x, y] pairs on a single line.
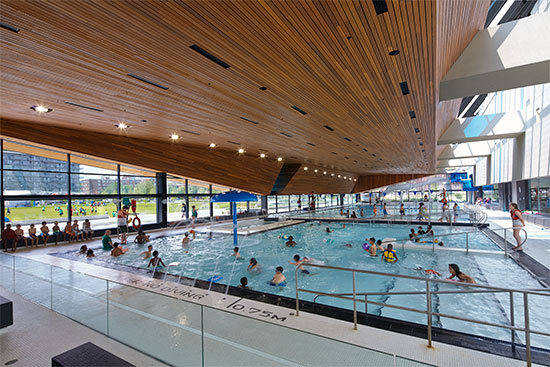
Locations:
{"points": [[409, 347]]}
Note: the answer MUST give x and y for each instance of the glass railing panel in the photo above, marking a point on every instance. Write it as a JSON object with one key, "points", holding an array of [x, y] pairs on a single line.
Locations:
{"points": [[245, 341], [162, 327], [403, 362], [80, 297], [6, 271], [32, 280]]}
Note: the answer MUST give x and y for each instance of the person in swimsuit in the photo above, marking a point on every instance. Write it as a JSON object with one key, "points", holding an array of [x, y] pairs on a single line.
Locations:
{"points": [[253, 265], [186, 240], [122, 219], [236, 253], [45, 233], [20, 235], [389, 255], [90, 253], [244, 283], [141, 238], [518, 222], [460, 276], [290, 242], [77, 232], [353, 215], [194, 216], [83, 249], [118, 250], [372, 246], [56, 231], [298, 263], [87, 231], [156, 261], [402, 209], [362, 212], [328, 230], [385, 210], [147, 254], [278, 278], [32, 236], [455, 212], [106, 241], [374, 210]]}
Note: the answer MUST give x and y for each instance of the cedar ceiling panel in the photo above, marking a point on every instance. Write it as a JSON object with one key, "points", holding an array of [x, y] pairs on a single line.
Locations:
{"points": [[304, 182], [329, 58], [244, 171], [369, 182]]}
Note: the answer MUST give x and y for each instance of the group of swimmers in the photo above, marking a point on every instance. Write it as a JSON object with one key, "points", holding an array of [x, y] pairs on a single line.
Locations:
{"points": [[116, 247], [416, 236]]}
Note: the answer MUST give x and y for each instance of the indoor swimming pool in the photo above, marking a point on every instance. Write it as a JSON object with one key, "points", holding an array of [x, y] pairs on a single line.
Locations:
{"points": [[205, 258]]}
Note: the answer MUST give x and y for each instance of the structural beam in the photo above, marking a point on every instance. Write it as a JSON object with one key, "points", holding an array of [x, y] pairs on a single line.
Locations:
{"points": [[510, 55], [456, 163], [368, 182], [481, 128], [466, 150]]}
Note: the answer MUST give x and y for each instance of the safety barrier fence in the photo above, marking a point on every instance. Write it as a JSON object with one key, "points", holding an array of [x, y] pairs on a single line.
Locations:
{"points": [[429, 293], [175, 331]]}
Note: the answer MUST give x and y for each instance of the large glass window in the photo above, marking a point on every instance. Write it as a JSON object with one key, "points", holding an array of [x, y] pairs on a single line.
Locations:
{"points": [[271, 204], [202, 204], [101, 212], [34, 183], [221, 209], [27, 212], [282, 203], [175, 206], [175, 185], [198, 187], [17, 156], [87, 184]]}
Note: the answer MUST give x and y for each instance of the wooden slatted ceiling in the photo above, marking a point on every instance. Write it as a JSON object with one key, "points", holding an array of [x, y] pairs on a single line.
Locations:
{"points": [[369, 182], [329, 58]]}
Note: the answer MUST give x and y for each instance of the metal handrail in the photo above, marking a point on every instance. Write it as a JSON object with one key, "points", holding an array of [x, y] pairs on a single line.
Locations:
{"points": [[428, 312], [440, 235]]}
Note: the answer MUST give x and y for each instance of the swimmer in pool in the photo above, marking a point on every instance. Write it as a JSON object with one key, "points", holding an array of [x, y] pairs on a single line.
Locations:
{"points": [[83, 249], [147, 254], [156, 261], [290, 242], [389, 255], [244, 283], [353, 215], [185, 240], [118, 250], [253, 265], [298, 263], [90, 253], [328, 230], [379, 245], [362, 212], [278, 278], [344, 226], [372, 246], [236, 253], [460, 276]]}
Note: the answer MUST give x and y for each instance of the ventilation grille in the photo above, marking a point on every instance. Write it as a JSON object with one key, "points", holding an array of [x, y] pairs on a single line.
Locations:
{"points": [[209, 56], [148, 81], [412, 114], [82, 106], [380, 6], [299, 110], [416, 130], [404, 88], [252, 122]]}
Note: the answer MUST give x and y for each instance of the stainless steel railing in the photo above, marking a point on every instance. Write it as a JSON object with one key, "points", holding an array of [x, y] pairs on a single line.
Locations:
{"points": [[428, 311], [429, 236]]}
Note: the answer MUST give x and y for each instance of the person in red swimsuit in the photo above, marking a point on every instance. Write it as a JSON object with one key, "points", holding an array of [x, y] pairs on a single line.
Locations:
{"points": [[518, 222], [9, 237]]}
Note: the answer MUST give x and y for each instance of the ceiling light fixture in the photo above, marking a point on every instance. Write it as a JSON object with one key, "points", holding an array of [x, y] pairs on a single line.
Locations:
{"points": [[174, 136], [212, 145], [394, 53], [355, 180], [241, 151], [339, 176], [279, 159], [122, 125], [345, 178], [41, 109], [332, 174], [324, 172], [262, 155], [315, 170], [305, 168]]}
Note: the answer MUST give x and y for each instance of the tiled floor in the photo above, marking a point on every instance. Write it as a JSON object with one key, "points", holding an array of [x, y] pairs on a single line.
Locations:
{"points": [[38, 334], [538, 237]]}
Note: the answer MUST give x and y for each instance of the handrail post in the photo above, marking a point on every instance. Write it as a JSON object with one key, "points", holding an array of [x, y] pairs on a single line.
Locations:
{"points": [[429, 313], [366, 306], [354, 303], [467, 243], [512, 319], [297, 300], [527, 334], [505, 246], [505, 241]]}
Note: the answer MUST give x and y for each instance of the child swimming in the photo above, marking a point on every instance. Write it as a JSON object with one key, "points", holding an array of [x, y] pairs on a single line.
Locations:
{"points": [[236, 253], [156, 261], [278, 278], [298, 263], [389, 255]]}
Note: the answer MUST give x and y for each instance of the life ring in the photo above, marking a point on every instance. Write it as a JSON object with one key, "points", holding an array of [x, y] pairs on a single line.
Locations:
{"points": [[138, 225]]}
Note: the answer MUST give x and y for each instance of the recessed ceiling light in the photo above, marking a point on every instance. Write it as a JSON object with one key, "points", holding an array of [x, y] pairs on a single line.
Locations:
{"points": [[263, 88], [332, 174], [315, 170], [345, 178], [212, 145], [339, 176], [305, 168], [41, 109], [350, 178], [394, 52], [174, 136], [122, 125], [241, 151], [324, 172], [279, 159], [262, 155], [354, 179]]}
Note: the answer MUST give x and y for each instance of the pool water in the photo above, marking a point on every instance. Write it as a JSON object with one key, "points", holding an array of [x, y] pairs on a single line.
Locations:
{"points": [[206, 258]]}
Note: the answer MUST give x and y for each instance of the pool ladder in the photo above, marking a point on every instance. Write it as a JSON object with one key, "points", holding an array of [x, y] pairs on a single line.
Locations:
{"points": [[478, 288]]}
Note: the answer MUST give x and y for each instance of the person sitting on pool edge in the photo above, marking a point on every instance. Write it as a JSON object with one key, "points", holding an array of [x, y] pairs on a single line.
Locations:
{"points": [[244, 283], [253, 265], [389, 255], [156, 261], [460, 276], [278, 278], [236, 253], [298, 263], [147, 254], [118, 250], [106, 241], [290, 242]]}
